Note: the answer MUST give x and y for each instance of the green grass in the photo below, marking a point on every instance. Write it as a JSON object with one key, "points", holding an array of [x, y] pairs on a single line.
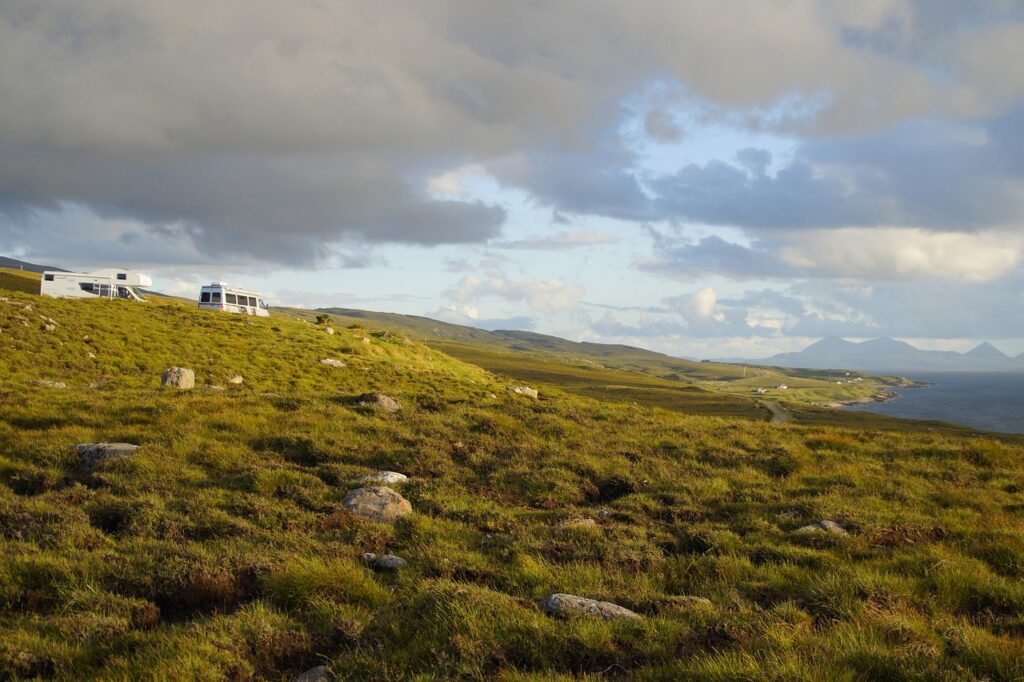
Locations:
{"points": [[18, 280], [221, 549]]}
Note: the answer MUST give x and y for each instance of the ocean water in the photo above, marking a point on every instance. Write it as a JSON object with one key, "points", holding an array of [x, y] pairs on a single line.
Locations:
{"points": [[993, 401]]}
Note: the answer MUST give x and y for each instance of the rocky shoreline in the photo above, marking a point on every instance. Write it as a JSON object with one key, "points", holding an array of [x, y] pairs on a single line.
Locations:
{"points": [[882, 396]]}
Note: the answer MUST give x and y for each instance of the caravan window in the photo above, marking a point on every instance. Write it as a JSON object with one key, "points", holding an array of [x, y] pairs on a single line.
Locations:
{"points": [[252, 302], [48, 278], [122, 275], [215, 297], [204, 297], [229, 298]]}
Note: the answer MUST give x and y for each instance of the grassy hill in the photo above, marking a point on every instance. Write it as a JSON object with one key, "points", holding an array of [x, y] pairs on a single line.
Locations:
{"points": [[222, 550]]}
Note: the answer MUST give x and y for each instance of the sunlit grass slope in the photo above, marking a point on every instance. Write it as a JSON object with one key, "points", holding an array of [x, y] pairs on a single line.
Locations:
{"points": [[221, 550]]}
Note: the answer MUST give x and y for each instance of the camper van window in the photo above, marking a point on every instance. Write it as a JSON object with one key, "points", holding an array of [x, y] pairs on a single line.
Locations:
{"points": [[122, 275], [252, 302], [48, 278], [204, 297], [229, 298], [263, 304], [85, 286], [215, 297]]}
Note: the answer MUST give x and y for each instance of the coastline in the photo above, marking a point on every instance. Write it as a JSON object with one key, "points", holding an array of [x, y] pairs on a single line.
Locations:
{"points": [[883, 396]]}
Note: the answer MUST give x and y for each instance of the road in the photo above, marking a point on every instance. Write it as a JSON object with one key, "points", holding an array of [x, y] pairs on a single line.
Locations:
{"points": [[779, 415]]}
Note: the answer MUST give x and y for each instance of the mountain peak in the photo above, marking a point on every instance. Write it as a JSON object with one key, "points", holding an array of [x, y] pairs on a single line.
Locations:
{"points": [[985, 350]]}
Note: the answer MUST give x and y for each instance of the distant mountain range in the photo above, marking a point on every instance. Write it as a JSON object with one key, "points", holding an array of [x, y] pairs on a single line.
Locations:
{"points": [[890, 355]]}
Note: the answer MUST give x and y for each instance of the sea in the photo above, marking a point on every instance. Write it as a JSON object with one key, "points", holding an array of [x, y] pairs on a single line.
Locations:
{"points": [[992, 401]]}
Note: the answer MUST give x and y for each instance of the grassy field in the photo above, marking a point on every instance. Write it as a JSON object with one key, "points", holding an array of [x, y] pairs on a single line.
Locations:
{"points": [[221, 549]]}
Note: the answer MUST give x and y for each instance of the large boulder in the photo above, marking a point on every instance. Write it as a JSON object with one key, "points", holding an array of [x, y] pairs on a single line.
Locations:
{"points": [[379, 400], [91, 454], [179, 377], [378, 503], [569, 605], [383, 477]]}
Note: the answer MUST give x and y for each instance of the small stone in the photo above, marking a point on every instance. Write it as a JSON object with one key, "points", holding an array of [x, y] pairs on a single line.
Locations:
{"points": [[378, 503], [826, 527], [317, 674], [384, 402], [570, 605], [329, 330], [384, 562], [49, 327], [524, 390], [366, 341], [91, 454], [46, 383], [237, 379], [331, 362], [576, 524], [384, 477], [179, 377], [689, 600]]}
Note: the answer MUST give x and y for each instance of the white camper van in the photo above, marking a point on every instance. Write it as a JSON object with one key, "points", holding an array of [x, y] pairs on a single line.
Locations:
{"points": [[106, 283], [220, 296]]}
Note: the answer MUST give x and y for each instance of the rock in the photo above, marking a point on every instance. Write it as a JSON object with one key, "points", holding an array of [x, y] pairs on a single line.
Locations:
{"points": [[524, 390], [331, 362], [384, 402], [179, 377], [49, 327], [384, 477], [384, 562], [378, 503], [366, 340], [329, 330], [237, 379], [689, 600], [49, 384], [213, 387], [317, 674], [574, 524], [827, 527], [91, 454], [570, 605]]}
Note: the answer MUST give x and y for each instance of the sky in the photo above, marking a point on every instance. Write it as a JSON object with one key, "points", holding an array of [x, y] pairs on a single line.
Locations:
{"points": [[704, 178]]}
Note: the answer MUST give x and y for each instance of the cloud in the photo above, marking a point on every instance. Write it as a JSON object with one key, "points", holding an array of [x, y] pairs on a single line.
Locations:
{"points": [[862, 254], [561, 241], [274, 131], [542, 295]]}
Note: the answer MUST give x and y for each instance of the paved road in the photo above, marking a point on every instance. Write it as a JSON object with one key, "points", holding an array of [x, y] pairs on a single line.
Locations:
{"points": [[779, 415]]}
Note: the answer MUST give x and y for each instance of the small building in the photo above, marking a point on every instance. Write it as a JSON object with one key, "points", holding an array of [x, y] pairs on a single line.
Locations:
{"points": [[221, 296], [782, 387], [762, 391], [106, 283]]}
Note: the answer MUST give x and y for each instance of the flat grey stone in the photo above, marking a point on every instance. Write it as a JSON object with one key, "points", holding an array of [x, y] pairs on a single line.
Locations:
{"points": [[384, 562], [331, 362], [91, 454], [524, 390], [570, 605], [381, 401], [383, 477], [49, 384], [317, 674], [825, 527]]}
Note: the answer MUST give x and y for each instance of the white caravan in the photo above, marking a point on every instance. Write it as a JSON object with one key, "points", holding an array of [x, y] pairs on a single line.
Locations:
{"points": [[106, 283], [220, 296]]}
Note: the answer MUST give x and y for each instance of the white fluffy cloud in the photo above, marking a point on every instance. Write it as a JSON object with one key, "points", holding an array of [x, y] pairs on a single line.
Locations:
{"points": [[541, 295], [903, 253]]}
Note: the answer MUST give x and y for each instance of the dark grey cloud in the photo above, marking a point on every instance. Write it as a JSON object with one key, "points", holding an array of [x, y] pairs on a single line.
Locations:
{"points": [[274, 131]]}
